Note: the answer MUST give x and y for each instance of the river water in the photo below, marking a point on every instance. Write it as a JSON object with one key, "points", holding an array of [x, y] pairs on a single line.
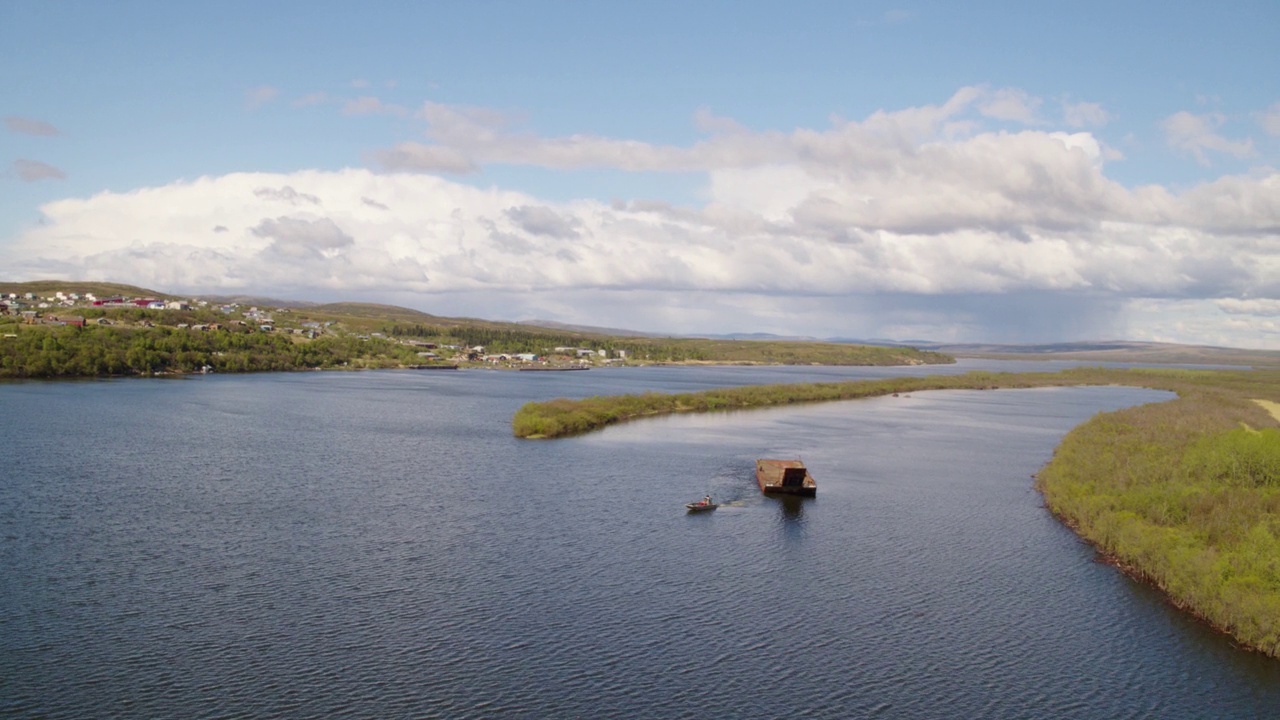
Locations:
{"points": [[378, 545]]}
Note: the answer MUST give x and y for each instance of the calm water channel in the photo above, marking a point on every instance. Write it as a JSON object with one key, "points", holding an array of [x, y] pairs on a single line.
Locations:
{"points": [[378, 545]]}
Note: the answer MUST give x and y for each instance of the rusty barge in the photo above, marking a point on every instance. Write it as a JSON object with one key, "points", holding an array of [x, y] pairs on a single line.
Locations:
{"points": [[785, 477]]}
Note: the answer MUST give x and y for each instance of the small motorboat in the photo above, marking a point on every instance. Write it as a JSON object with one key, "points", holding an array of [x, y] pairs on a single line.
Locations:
{"points": [[703, 505]]}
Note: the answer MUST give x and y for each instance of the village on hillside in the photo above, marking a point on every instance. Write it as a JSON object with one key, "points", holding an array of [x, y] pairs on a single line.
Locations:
{"points": [[66, 308]]}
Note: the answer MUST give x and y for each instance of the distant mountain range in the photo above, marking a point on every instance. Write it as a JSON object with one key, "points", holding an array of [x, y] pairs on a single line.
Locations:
{"points": [[1089, 351], [1112, 351], [589, 329]]}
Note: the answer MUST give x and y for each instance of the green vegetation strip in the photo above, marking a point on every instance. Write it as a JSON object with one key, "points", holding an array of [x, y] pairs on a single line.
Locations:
{"points": [[93, 351], [558, 418], [1183, 494], [84, 340]]}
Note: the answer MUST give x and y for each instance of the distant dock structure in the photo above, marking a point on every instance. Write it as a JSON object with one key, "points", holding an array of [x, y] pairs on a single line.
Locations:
{"points": [[785, 477]]}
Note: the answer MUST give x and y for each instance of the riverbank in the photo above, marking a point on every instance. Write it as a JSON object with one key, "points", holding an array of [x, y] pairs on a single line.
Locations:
{"points": [[119, 342], [1183, 494], [561, 417]]}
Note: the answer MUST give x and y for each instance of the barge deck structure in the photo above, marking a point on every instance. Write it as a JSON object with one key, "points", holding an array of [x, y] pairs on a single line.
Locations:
{"points": [[785, 477]]}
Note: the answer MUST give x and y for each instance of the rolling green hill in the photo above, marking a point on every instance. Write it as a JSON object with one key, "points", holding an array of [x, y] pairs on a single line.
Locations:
{"points": [[101, 289], [76, 338]]}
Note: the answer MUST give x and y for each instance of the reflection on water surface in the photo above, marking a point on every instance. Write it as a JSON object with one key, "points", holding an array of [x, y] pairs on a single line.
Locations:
{"points": [[377, 544]]}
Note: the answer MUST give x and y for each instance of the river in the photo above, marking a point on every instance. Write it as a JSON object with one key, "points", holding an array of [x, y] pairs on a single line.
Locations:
{"points": [[377, 544]]}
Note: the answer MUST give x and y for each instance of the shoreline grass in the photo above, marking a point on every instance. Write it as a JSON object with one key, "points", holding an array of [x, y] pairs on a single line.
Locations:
{"points": [[563, 417], [1182, 494]]}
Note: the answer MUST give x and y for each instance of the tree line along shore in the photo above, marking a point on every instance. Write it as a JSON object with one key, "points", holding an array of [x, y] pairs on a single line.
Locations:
{"points": [[1183, 494], [103, 342]]}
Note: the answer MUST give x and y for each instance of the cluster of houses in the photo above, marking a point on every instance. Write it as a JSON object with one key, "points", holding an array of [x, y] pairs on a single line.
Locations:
{"points": [[558, 356], [34, 310], [11, 303], [145, 303], [588, 352], [479, 354], [25, 304], [62, 299]]}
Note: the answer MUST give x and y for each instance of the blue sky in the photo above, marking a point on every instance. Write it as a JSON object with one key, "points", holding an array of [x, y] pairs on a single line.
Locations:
{"points": [[830, 169]]}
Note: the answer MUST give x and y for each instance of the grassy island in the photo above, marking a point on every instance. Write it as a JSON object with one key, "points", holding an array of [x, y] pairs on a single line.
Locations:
{"points": [[1183, 494], [561, 417]]}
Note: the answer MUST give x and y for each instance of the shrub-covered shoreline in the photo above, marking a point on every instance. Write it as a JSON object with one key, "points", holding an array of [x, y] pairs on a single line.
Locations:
{"points": [[562, 417], [137, 341], [1183, 494]]}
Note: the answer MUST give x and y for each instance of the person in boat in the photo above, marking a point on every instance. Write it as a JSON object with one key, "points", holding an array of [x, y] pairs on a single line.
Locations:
{"points": [[706, 500]]}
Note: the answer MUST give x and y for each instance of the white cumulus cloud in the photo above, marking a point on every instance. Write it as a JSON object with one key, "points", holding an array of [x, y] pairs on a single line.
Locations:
{"points": [[1269, 119], [1198, 133], [1084, 114], [896, 224], [1012, 104]]}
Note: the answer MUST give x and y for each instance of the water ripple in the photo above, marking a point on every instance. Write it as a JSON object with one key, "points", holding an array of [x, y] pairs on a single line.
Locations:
{"points": [[377, 545]]}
